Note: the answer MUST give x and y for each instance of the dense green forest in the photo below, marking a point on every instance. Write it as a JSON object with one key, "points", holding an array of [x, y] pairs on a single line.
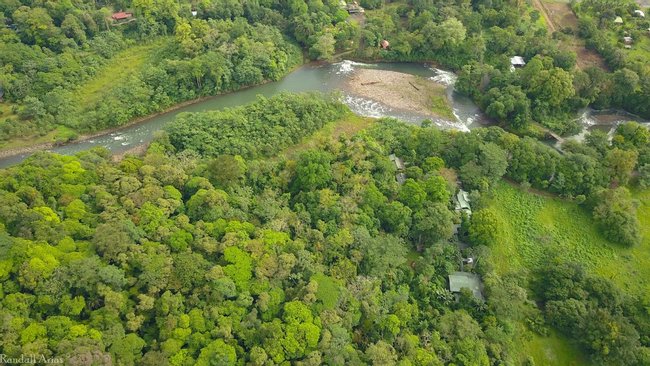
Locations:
{"points": [[285, 232], [190, 255]]}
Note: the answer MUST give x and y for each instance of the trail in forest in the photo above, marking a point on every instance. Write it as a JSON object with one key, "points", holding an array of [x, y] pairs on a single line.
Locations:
{"points": [[549, 21]]}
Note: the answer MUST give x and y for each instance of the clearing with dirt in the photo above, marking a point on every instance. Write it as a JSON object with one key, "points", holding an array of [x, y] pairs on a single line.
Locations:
{"points": [[558, 15]]}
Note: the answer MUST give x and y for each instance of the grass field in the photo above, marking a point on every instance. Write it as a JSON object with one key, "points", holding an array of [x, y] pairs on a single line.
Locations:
{"points": [[120, 67], [348, 125], [60, 134], [553, 350], [535, 228]]}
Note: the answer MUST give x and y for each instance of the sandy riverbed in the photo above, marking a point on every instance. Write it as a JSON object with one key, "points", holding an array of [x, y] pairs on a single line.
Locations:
{"points": [[401, 91]]}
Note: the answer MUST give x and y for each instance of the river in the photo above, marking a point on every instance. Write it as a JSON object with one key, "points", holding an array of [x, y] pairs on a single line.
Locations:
{"points": [[310, 77]]}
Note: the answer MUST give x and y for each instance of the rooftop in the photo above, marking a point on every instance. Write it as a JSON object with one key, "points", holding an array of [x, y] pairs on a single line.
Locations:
{"points": [[517, 61], [121, 15], [471, 281], [462, 200]]}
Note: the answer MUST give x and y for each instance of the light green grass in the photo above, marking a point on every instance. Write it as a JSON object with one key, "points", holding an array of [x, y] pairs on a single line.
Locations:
{"points": [[60, 134], [119, 68], [536, 227], [348, 125], [440, 104], [552, 350]]}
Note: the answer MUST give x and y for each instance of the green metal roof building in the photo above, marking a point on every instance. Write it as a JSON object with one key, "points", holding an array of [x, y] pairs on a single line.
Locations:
{"points": [[471, 281]]}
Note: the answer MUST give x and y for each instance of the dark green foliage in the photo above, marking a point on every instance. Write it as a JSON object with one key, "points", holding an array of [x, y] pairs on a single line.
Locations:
{"points": [[615, 211], [179, 258], [276, 123], [591, 311], [484, 227]]}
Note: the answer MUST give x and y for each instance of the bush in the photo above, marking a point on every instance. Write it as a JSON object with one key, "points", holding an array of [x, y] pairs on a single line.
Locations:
{"points": [[616, 214]]}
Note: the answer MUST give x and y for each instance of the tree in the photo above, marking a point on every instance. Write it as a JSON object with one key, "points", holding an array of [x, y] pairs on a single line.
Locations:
{"points": [[217, 353], [616, 213], [432, 223], [509, 105], [620, 164], [36, 26], [226, 170], [484, 227], [323, 49], [412, 194], [313, 171]]}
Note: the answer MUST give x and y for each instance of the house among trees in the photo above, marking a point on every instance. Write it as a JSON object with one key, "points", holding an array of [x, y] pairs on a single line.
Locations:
{"points": [[384, 44], [628, 40], [399, 165], [122, 17], [462, 202], [618, 20], [470, 281], [515, 62], [354, 8], [639, 13]]}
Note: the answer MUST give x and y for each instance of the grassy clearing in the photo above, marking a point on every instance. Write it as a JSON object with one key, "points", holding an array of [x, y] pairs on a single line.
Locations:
{"points": [[120, 67], [536, 227], [640, 51], [60, 134], [552, 350], [348, 125], [440, 104], [559, 15]]}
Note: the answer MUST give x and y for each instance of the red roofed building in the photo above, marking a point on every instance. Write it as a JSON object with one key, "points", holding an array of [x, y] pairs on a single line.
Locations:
{"points": [[121, 15]]}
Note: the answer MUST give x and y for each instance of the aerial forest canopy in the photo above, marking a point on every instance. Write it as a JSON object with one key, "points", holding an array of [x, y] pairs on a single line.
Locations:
{"points": [[315, 255], [290, 231]]}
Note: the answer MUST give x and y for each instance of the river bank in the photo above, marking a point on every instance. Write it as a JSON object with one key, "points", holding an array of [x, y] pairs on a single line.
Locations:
{"points": [[310, 77], [402, 91], [29, 149]]}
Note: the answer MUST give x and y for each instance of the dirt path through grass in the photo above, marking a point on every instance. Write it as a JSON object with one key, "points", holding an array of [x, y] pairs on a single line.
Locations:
{"points": [[558, 15], [542, 9]]}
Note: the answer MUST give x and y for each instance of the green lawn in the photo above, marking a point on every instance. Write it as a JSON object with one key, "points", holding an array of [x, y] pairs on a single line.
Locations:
{"points": [[553, 350], [60, 134], [536, 227]]}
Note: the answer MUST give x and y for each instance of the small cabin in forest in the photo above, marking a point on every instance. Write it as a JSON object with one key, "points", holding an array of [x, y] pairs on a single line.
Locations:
{"points": [[628, 40], [399, 163], [618, 20], [639, 13], [468, 280], [354, 8], [517, 61], [122, 16], [384, 44], [400, 166], [461, 201]]}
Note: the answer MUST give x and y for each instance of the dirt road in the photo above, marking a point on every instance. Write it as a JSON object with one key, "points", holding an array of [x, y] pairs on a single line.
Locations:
{"points": [[542, 9]]}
